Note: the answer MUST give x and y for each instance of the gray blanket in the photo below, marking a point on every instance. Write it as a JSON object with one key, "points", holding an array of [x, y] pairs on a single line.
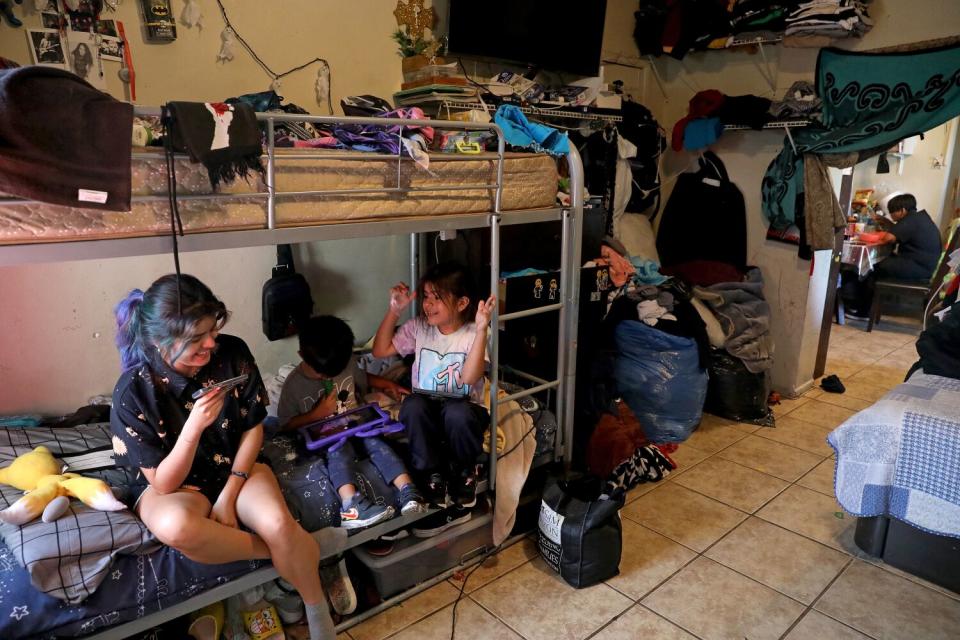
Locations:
{"points": [[744, 316]]}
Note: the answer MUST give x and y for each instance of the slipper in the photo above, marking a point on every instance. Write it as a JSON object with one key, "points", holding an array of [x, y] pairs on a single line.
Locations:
{"points": [[832, 384]]}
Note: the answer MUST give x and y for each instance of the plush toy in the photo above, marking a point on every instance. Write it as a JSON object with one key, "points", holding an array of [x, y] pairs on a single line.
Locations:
{"points": [[38, 473]]}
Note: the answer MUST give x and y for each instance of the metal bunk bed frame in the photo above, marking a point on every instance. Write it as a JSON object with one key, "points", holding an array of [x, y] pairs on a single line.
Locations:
{"points": [[571, 218]]}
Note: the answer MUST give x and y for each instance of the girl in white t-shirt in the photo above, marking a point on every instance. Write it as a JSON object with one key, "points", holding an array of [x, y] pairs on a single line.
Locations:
{"points": [[445, 421]]}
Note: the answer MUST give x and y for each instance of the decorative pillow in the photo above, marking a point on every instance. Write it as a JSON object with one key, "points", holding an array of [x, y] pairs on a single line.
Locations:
{"points": [[69, 558]]}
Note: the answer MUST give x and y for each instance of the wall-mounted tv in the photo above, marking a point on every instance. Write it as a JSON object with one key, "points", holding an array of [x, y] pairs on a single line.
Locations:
{"points": [[560, 35]]}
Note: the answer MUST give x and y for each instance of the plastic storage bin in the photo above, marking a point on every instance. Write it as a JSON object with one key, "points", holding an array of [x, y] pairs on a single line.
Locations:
{"points": [[415, 560]]}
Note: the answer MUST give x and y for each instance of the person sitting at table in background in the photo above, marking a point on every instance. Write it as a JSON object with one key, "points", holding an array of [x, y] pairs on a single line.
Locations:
{"points": [[918, 244], [917, 239]]}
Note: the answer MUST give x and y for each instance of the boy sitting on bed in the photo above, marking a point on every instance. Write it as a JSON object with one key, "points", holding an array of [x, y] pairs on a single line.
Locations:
{"points": [[328, 382]]}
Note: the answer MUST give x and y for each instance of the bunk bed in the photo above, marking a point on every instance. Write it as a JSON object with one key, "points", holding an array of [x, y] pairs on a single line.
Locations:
{"points": [[384, 195]]}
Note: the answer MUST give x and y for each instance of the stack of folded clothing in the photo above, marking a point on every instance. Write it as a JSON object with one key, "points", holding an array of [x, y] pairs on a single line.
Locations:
{"points": [[830, 18], [753, 19], [800, 102]]}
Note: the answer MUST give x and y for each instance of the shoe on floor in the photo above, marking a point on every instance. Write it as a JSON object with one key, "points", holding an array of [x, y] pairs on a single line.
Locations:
{"points": [[410, 500], [437, 523], [463, 489], [832, 384], [339, 589], [360, 512]]}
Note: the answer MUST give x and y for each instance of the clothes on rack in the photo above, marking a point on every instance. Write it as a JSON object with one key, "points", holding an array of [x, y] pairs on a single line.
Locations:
{"points": [[520, 132], [710, 110], [832, 18], [799, 101]]}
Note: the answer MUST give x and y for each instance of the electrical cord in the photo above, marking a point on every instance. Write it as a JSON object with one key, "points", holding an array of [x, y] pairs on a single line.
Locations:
{"points": [[276, 76], [463, 586]]}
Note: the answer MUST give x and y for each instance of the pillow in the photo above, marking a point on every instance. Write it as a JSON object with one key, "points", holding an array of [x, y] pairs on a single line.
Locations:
{"points": [[636, 234], [69, 558]]}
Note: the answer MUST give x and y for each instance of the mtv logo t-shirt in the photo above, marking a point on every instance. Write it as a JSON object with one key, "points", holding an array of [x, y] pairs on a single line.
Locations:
{"points": [[439, 358]]}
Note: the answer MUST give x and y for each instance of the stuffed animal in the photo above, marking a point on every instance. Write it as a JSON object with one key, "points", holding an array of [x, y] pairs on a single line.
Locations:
{"points": [[38, 473]]}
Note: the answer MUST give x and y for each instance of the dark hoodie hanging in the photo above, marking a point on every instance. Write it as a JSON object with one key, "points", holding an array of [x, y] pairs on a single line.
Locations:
{"points": [[224, 137]]}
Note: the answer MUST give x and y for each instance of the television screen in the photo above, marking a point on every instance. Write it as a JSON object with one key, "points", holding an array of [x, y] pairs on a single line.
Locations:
{"points": [[562, 35]]}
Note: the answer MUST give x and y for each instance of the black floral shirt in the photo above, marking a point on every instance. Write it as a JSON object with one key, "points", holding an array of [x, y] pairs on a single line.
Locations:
{"points": [[151, 403]]}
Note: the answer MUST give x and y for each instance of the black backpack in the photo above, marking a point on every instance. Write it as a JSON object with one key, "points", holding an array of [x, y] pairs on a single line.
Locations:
{"points": [[287, 302]]}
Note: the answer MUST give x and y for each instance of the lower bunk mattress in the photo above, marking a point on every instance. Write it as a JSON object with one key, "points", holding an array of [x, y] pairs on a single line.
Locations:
{"points": [[145, 577], [529, 182]]}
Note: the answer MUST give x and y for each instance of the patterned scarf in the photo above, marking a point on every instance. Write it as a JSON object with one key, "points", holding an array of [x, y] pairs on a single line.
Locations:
{"points": [[870, 101]]}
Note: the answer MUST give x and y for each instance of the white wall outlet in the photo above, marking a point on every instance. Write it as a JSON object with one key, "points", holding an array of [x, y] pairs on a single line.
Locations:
{"points": [[448, 234]]}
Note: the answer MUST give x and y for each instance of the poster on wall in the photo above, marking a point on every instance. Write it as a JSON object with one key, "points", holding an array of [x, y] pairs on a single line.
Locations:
{"points": [[83, 58], [50, 19], [46, 47], [108, 39]]}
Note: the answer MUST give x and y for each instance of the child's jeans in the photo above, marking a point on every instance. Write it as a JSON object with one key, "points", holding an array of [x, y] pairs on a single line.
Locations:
{"points": [[341, 464], [443, 432]]}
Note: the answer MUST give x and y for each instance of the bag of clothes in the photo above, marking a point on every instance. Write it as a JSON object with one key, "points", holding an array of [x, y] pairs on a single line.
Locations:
{"points": [[580, 534]]}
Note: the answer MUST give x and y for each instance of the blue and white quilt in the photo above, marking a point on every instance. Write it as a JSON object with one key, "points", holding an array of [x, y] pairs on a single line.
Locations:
{"points": [[901, 456]]}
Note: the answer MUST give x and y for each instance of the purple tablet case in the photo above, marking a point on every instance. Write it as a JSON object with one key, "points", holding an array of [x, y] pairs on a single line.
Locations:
{"points": [[362, 422]]}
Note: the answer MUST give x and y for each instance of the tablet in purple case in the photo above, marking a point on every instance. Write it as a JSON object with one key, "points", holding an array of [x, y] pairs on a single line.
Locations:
{"points": [[334, 429]]}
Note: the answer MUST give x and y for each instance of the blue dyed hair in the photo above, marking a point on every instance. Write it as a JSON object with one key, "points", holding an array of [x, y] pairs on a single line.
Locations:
{"points": [[164, 318]]}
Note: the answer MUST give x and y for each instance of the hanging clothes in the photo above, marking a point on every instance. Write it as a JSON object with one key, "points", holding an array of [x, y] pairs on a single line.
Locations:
{"points": [[705, 218]]}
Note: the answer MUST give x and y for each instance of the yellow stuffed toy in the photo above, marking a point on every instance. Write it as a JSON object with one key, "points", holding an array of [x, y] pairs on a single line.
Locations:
{"points": [[38, 473]]}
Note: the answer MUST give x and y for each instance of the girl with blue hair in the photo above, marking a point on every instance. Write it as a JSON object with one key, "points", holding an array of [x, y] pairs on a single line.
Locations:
{"points": [[197, 457]]}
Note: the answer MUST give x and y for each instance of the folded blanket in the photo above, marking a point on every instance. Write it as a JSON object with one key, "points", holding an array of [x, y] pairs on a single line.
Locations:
{"points": [[745, 317], [62, 141]]}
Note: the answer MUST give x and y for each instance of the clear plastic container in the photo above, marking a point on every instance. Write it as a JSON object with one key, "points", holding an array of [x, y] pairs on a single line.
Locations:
{"points": [[415, 560]]}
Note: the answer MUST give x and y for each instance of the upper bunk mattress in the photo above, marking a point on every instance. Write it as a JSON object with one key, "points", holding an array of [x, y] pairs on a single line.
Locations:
{"points": [[530, 182]]}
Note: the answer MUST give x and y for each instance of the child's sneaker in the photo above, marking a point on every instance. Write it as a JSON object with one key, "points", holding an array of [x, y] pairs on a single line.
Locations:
{"points": [[410, 500], [436, 490], [440, 521], [336, 582], [362, 513], [463, 489]]}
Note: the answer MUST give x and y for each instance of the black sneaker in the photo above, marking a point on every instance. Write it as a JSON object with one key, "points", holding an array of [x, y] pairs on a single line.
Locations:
{"points": [[410, 500], [440, 521], [363, 513], [435, 491], [463, 489]]}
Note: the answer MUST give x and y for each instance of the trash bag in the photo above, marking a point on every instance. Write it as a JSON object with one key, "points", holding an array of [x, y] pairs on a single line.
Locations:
{"points": [[659, 376], [580, 534], [734, 392]]}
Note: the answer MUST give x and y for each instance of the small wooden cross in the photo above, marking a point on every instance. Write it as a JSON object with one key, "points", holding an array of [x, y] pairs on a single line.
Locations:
{"points": [[414, 17]]}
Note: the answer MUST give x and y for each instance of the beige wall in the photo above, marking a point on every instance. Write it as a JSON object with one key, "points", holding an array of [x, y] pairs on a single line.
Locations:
{"points": [[57, 350], [794, 289], [922, 175]]}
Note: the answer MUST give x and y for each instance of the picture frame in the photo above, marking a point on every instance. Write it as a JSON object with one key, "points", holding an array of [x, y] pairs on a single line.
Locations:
{"points": [[46, 47]]}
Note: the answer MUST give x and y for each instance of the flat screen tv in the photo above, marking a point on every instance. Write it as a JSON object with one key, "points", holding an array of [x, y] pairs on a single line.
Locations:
{"points": [[561, 35]]}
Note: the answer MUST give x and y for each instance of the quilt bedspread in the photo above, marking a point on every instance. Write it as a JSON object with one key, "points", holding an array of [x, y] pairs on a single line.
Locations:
{"points": [[901, 456]]}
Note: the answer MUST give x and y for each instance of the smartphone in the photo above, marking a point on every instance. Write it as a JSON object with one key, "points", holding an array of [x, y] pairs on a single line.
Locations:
{"points": [[226, 385]]}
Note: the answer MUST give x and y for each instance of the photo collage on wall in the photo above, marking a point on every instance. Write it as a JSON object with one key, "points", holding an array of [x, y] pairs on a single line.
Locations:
{"points": [[75, 42]]}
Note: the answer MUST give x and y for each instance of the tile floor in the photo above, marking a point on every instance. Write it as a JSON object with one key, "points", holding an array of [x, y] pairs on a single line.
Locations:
{"points": [[745, 540]]}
